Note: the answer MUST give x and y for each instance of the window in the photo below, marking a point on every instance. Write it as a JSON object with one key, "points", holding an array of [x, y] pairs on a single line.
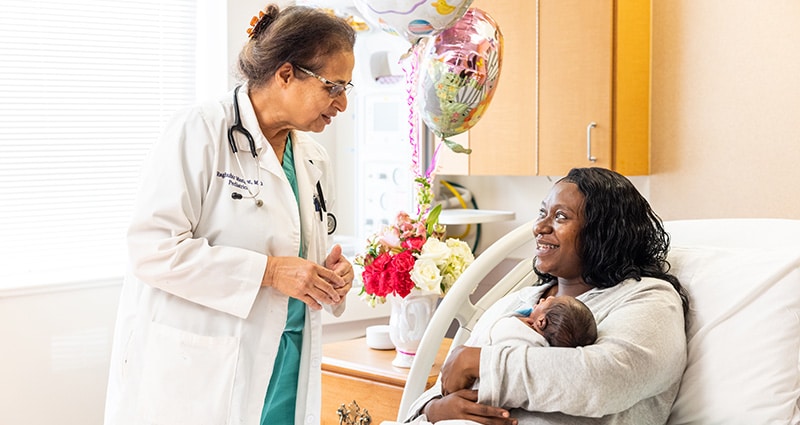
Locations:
{"points": [[85, 89]]}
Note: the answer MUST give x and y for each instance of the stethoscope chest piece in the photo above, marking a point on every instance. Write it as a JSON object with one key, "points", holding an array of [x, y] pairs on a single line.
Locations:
{"points": [[259, 203], [331, 223]]}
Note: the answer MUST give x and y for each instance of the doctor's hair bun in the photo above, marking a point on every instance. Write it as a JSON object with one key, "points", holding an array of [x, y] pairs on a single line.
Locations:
{"points": [[298, 35], [261, 21]]}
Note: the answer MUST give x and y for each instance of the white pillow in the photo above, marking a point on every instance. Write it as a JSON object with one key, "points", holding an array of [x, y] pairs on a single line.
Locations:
{"points": [[743, 279]]}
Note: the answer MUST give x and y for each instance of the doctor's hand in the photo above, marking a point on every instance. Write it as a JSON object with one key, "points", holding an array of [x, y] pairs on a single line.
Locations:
{"points": [[302, 279], [463, 404], [339, 265], [461, 369]]}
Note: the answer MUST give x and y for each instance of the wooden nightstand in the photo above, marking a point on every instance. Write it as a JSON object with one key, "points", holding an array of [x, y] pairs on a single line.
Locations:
{"points": [[353, 371]]}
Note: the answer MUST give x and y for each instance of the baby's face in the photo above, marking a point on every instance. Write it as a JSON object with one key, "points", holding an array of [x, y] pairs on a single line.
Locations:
{"points": [[536, 319]]}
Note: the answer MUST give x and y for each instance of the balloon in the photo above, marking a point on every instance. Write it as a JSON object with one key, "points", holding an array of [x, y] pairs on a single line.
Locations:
{"points": [[459, 71], [413, 19]]}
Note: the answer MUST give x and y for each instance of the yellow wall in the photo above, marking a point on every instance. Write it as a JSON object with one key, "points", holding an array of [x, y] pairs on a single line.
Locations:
{"points": [[725, 109]]}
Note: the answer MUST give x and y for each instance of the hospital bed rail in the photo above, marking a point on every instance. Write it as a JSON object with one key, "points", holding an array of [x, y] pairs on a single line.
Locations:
{"points": [[457, 305]]}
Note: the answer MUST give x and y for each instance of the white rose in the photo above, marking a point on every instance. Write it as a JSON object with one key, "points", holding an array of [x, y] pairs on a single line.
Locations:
{"points": [[435, 250], [426, 275], [460, 249]]}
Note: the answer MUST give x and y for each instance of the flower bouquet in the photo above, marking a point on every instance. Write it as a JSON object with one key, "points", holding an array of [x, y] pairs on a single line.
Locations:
{"points": [[412, 254], [412, 264]]}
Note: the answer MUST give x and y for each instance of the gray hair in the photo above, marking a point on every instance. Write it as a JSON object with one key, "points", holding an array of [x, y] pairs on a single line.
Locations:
{"points": [[298, 35]]}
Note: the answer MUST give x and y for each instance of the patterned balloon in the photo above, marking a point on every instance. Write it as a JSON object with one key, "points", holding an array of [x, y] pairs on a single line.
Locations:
{"points": [[459, 70], [413, 19]]}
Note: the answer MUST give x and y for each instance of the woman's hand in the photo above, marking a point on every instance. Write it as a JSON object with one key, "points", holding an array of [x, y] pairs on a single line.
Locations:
{"points": [[461, 369], [302, 279], [463, 404], [339, 264]]}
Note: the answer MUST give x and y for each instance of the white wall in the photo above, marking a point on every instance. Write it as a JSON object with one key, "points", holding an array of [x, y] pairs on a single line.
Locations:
{"points": [[726, 108], [56, 341], [54, 356]]}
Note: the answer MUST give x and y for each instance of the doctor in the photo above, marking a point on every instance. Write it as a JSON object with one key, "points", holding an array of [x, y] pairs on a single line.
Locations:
{"points": [[219, 318]]}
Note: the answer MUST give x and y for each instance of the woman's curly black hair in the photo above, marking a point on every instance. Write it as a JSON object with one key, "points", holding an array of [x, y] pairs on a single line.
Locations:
{"points": [[622, 237]]}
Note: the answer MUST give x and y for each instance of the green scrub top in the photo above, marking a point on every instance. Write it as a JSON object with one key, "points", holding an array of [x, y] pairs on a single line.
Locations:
{"points": [[279, 404]]}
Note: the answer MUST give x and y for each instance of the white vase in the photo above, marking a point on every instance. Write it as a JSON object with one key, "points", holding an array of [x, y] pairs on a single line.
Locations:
{"points": [[409, 319]]}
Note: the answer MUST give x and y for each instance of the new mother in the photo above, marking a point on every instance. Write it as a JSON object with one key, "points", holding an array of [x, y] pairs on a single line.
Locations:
{"points": [[597, 239]]}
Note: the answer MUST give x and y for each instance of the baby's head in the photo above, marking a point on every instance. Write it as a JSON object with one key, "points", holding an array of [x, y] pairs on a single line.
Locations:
{"points": [[564, 321]]}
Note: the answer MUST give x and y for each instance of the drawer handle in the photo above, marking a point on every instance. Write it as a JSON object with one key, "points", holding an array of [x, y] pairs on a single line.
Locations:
{"points": [[589, 141]]}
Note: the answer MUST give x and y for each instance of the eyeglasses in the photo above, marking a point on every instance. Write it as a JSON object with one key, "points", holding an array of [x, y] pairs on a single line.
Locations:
{"points": [[334, 89]]}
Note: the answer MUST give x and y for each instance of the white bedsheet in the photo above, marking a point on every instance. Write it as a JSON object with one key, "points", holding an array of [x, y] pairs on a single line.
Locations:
{"points": [[743, 278]]}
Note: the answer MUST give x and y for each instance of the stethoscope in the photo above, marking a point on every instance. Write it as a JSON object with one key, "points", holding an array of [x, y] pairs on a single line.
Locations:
{"points": [[319, 198]]}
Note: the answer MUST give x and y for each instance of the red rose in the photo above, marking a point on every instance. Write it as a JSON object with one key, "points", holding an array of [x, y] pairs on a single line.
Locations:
{"points": [[403, 262], [402, 284], [382, 261], [370, 280], [374, 275], [388, 274], [385, 284]]}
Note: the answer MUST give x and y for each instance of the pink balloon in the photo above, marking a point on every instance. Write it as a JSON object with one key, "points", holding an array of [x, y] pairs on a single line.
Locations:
{"points": [[459, 71], [413, 19]]}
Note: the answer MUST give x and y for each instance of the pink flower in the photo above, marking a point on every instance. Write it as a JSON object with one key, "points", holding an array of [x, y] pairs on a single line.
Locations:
{"points": [[390, 239], [414, 243], [403, 219]]}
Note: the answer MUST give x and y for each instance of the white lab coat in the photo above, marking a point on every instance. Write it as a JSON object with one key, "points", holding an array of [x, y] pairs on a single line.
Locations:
{"points": [[196, 335]]}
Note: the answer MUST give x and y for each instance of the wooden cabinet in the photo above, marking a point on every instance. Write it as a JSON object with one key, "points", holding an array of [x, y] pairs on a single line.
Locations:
{"points": [[566, 64], [353, 371]]}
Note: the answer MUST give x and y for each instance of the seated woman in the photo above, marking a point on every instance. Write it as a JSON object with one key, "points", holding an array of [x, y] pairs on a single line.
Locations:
{"points": [[598, 240]]}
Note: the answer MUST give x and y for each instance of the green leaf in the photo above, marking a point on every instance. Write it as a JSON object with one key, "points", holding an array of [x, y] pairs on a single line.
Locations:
{"points": [[433, 218], [455, 147]]}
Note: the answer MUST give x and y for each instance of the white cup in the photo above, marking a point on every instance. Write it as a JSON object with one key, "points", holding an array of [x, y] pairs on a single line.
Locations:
{"points": [[378, 337]]}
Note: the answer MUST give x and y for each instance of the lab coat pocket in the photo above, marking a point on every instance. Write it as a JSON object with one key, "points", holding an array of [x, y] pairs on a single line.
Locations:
{"points": [[187, 378]]}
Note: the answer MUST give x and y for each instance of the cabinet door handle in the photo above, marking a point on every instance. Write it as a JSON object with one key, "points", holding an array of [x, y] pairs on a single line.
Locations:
{"points": [[589, 141]]}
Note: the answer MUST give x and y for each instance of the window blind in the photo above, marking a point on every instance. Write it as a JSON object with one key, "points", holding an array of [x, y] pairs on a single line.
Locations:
{"points": [[85, 89]]}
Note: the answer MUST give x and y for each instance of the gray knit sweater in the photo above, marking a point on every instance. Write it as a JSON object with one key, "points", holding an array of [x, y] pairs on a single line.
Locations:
{"points": [[629, 377]]}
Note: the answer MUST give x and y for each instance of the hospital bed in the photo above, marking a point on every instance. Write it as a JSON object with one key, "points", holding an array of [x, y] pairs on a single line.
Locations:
{"points": [[743, 280]]}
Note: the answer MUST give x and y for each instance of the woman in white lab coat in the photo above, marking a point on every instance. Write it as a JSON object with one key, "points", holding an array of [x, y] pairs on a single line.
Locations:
{"points": [[219, 319]]}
